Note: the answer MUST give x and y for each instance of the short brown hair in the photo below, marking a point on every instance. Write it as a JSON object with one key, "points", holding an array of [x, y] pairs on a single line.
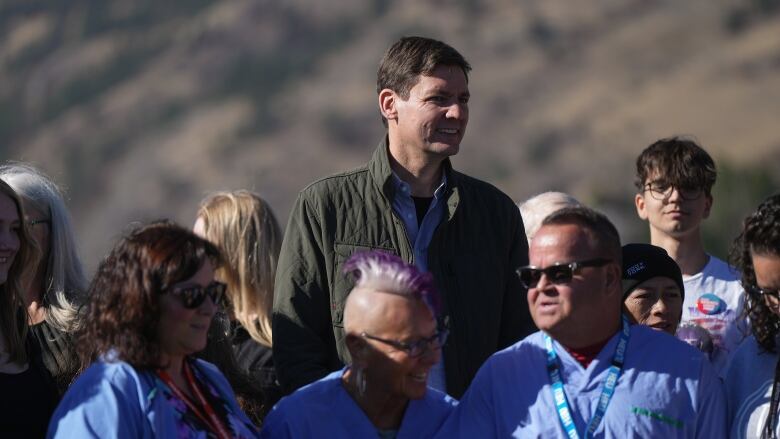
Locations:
{"points": [[678, 161], [606, 236], [410, 57], [123, 304]]}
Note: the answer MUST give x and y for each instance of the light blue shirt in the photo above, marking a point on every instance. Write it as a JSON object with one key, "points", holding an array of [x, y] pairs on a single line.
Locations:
{"points": [[667, 390], [749, 379], [325, 409], [420, 238], [115, 400]]}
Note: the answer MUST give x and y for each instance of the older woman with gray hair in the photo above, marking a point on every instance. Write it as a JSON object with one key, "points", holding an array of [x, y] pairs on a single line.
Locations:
{"points": [[394, 339], [535, 209], [54, 284]]}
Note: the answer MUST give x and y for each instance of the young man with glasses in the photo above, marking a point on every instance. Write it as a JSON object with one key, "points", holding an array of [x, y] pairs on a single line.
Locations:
{"points": [[588, 372], [675, 178]]}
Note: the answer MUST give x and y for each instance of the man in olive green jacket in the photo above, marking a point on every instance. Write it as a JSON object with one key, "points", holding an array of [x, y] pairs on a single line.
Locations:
{"points": [[408, 201]]}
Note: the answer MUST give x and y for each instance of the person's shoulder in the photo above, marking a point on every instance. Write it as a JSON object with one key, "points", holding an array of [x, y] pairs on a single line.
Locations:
{"points": [[119, 373], [523, 350], [721, 270], [323, 390], [650, 342], [482, 190], [334, 183], [438, 398]]}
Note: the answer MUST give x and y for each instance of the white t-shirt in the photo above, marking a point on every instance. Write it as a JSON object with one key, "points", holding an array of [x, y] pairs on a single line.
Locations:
{"points": [[713, 301]]}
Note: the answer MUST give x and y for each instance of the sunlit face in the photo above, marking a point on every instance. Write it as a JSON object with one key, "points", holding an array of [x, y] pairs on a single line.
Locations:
{"points": [[182, 331], [673, 216], [434, 117], [10, 225], [656, 302], [767, 270], [392, 371], [567, 310]]}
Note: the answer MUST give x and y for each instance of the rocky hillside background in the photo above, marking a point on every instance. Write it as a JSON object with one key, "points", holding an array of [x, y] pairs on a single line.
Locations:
{"points": [[140, 108]]}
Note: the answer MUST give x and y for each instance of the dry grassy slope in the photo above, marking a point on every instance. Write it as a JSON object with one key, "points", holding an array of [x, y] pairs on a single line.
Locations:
{"points": [[142, 119]]}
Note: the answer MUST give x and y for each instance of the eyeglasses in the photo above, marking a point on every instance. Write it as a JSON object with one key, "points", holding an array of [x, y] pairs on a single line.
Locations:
{"points": [[558, 273], [762, 292], [415, 348], [33, 223], [193, 296], [662, 190]]}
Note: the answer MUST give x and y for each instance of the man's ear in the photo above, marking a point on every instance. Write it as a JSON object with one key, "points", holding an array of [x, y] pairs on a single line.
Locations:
{"points": [[387, 104], [614, 278], [707, 206], [641, 208]]}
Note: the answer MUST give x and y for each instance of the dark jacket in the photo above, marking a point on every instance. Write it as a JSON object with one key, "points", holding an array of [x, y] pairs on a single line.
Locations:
{"points": [[472, 256]]}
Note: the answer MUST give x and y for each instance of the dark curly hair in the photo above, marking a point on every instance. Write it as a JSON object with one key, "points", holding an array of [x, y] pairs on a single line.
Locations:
{"points": [[760, 235], [123, 306]]}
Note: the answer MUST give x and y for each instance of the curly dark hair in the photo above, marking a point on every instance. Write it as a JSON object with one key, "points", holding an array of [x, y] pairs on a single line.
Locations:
{"points": [[760, 235], [123, 310]]}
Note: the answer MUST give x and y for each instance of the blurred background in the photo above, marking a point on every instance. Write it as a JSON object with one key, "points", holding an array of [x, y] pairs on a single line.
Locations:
{"points": [[140, 108]]}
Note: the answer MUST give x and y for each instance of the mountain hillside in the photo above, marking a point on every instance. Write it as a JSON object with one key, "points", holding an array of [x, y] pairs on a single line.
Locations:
{"points": [[140, 108]]}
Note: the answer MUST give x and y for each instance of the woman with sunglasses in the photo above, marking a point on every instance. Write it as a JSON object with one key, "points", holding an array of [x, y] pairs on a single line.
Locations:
{"points": [[393, 340], [54, 284], [753, 376], [149, 309], [27, 394]]}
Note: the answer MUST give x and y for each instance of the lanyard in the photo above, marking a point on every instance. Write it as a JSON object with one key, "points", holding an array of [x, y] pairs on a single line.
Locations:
{"points": [[559, 396], [210, 418]]}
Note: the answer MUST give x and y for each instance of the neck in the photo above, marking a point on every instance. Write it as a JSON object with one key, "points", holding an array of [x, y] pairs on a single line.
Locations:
{"points": [[383, 410], [579, 338], [175, 368], [421, 172], [687, 252]]}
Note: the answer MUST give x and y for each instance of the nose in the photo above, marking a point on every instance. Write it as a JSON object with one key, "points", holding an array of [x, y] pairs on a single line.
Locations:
{"points": [[660, 307], [457, 111], [208, 307], [432, 354], [673, 195], [543, 284]]}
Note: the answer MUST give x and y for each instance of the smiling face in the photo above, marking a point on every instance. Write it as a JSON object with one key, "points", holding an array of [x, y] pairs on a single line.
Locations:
{"points": [[583, 310], [673, 216], [767, 270], [10, 224], [391, 371], [656, 302], [182, 331], [432, 120]]}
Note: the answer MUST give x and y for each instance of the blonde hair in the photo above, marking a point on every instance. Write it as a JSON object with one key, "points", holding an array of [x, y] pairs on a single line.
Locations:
{"points": [[245, 229], [13, 316]]}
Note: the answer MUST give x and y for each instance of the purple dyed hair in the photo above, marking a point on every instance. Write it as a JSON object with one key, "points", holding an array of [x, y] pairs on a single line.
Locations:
{"points": [[383, 271]]}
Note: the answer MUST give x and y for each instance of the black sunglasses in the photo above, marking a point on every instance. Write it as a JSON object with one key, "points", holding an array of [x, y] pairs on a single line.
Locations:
{"points": [[194, 295], [415, 348], [557, 273]]}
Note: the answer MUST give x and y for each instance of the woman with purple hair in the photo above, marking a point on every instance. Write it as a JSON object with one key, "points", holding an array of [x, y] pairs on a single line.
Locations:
{"points": [[394, 340]]}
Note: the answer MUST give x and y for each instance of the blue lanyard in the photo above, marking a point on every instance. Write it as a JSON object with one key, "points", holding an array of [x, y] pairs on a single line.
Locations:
{"points": [[559, 396]]}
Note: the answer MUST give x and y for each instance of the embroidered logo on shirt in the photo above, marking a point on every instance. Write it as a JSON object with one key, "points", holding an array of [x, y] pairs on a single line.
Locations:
{"points": [[657, 416], [710, 304]]}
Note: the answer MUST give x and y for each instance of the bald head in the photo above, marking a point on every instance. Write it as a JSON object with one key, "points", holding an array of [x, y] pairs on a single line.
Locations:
{"points": [[378, 312]]}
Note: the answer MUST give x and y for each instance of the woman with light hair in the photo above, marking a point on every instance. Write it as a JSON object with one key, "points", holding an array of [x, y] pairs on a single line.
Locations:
{"points": [[244, 228], [54, 285], [28, 395], [535, 209], [394, 339]]}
